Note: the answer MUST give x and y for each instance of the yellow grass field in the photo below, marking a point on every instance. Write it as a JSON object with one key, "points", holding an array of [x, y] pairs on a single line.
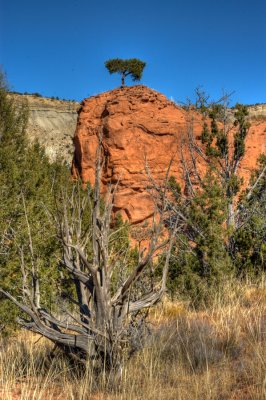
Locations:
{"points": [[217, 353]]}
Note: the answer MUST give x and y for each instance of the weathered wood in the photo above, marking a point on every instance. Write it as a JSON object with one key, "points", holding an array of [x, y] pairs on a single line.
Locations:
{"points": [[104, 319]]}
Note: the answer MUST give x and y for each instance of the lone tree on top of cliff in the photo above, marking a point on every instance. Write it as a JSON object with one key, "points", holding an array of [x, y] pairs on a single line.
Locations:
{"points": [[132, 66]]}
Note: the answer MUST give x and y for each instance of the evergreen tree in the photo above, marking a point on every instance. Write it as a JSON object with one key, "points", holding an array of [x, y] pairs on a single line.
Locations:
{"points": [[28, 185], [216, 151], [200, 260], [250, 237], [131, 67], [221, 228]]}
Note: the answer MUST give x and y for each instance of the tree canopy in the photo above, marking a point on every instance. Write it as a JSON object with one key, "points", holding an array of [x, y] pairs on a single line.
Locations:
{"points": [[132, 66]]}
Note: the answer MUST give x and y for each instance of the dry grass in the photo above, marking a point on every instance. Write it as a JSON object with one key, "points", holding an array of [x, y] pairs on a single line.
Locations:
{"points": [[218, 353]]}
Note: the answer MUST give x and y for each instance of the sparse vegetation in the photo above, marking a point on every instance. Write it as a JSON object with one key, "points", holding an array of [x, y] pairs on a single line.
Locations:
{"points": [[39, 95]]}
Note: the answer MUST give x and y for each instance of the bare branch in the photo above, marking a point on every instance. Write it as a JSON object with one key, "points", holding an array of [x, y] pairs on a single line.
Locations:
{"points": [[251, 190]]}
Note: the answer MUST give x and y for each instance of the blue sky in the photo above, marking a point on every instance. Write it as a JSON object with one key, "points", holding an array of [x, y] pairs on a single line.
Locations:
{"points": [[58, 48]]}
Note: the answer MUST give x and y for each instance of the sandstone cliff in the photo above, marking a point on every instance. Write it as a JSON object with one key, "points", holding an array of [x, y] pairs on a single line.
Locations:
{"points": [[142, 129], [52, 122]]}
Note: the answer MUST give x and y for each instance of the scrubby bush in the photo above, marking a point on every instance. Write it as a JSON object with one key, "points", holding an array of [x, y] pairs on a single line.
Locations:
{"points": [[28, 185]]}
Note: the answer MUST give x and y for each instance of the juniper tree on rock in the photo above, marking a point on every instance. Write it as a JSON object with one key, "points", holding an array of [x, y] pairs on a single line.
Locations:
{"points": [[131, 67]]}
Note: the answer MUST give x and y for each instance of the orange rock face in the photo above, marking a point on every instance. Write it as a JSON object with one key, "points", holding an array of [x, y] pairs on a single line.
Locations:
{"points": [[143, 131]]}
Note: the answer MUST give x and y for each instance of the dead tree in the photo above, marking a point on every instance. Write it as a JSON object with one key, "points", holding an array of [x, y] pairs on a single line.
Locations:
{"points": [[107, 316]]}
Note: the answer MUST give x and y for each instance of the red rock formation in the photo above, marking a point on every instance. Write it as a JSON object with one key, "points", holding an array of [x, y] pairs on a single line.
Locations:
{"points": [[141, 128]]}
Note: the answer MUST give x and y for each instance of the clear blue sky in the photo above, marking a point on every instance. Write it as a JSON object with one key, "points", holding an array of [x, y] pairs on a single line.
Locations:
{"points": [[58, 47]]}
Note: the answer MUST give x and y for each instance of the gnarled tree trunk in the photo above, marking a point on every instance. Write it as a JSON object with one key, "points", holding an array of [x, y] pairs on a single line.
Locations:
{"points": [[107, 318]]}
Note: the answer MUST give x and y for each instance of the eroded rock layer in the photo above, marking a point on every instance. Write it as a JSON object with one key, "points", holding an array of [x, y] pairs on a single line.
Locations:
{"points": [[52, 122]]}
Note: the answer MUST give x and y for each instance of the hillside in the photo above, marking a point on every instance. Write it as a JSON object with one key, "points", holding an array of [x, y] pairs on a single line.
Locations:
{"points": [[52, 122]]}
